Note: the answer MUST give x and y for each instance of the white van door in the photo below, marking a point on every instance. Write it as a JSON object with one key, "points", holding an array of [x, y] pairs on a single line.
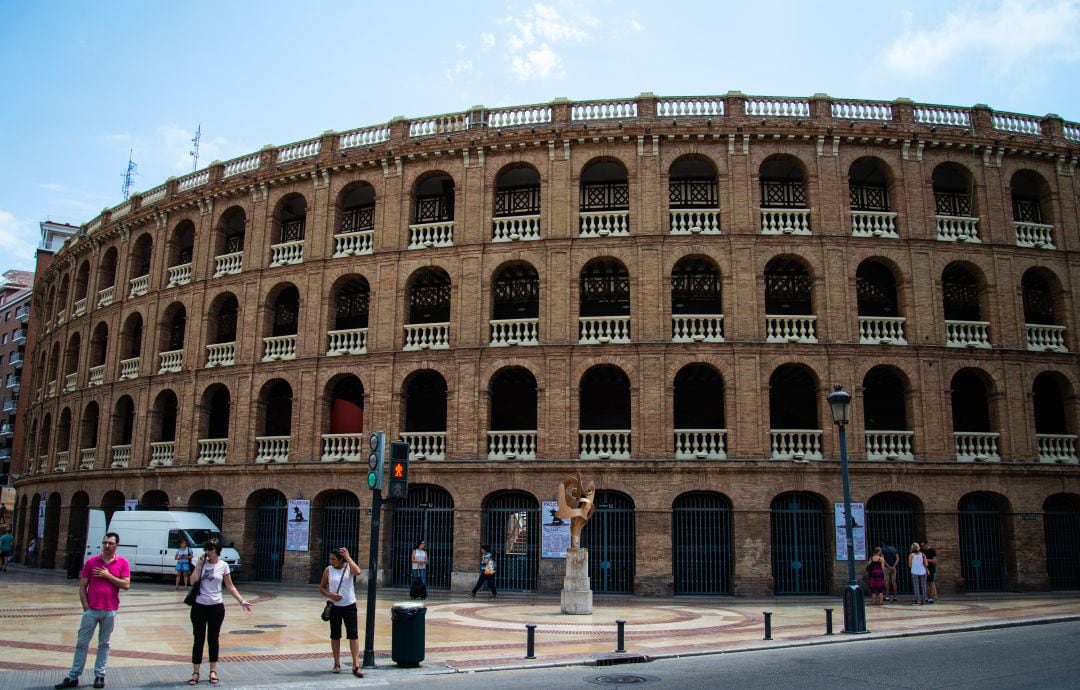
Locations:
{"points": [[95, 532]]}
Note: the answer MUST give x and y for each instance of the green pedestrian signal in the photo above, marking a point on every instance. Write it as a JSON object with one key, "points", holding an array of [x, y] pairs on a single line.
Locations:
{"points": [[376, 459]]}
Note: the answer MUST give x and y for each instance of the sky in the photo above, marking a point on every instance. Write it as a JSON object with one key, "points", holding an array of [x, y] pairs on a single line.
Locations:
{"points": [[86, 84]]}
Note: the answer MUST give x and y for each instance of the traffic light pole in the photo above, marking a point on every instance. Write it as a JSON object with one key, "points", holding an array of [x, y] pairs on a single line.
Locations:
{"points": [[373, 568]]}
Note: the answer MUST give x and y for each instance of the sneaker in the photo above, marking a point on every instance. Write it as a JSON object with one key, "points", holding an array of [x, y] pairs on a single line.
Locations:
{"points": [[99, 682], [929, 601], [67, 683]]}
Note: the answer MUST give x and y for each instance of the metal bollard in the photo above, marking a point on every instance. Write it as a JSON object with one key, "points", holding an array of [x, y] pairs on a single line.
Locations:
{"points": [[828, 622], [768, 624], [621, 636], [530, 643]]}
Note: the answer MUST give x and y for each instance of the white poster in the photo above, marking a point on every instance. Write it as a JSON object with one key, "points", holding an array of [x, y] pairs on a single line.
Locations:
{"points": [[41, 518], [131, 504], [858, 531], [555, 532], [297, 527]]}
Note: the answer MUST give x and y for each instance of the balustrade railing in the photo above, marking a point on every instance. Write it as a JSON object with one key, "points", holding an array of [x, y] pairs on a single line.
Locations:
{"points": [[87, 458], [622, 109], [690, 106], [1035, 235], [179, 275], [758, 106], [506, 332], [519, 116], [967, 334], [957, 228], [170, 361], [423, 336], [367, 136], [600, 330], [427, 445], [71, 382], [79, 308], [1045, 337], [972, 446], [514, 228], [193, 180], [105, 296], [139, 286], [604, 444], [426, 235], [228, 264], [287, 253], [152, 196], [242, 165], [700, 444], [942, 115], [129, 368], [212, 451], [61, 317], [790, 329], [50, 389], [440, 124], [873, 224], [704, 221], [162, 453], [344, 447], [890, 445], [121, 456], [97, 376], [1057, 448], [221, 354], [604, 223], [697, 328], [299, 150], [279, 347], [861, 110], [272, 448], [42, 464], [1017, 124], [510, 445], [353, 243], [62, 458], [785, 221], [882, 330], [350, 341], [800, 445]]}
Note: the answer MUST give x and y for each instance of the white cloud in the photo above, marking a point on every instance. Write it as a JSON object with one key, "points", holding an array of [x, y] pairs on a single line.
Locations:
{"points": [[487, 40], [535, 64], [19, 241], [175, 146], [535, 34], [460, 68], [1003, 36]]}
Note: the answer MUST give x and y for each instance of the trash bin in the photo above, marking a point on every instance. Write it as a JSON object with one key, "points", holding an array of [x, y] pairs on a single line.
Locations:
{"points": [[407, 634]]}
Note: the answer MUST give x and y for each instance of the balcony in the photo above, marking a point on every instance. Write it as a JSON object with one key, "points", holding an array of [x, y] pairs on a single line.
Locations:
{"points": [[179, 275], [62, 458], [19, 336], [426, 235], [511, 445], [785, 221], [7, 430], [61, 317], [974, 334], [5, 454], [271, 449], [601, 330], [97, 376], [698, 221], [71, 382], [50, 389], [1045, 338], [170, 362], [121, 456], [23, 314], [889, 445], [212, 451], [428, 445], [11, 404], [799, 445], [1034, 235], [105, 297], [87, 458], [1059, 448], [42, 464], [287, 253], [344, 447], [957, 228], [14, 383], [790, 329], [604, 223], [139, 286], [351, 341], [701, 444], [129, 368], [882, 330], [515, 228], [221, 355], [697, 328], [874, 224], [162, 453], [507, 332], [228, 264], [425, 336], [16, 360], [604, 444], [354, 244], [972, 446], [279, 347], [80, 308]]}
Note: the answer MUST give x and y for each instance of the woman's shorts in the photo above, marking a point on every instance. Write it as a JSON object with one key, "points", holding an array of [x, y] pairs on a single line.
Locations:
{"points": [[346, 615], [183, 567]]}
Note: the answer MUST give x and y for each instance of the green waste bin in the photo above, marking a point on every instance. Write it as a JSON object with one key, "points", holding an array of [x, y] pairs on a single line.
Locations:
{"points": [[407, 634]]}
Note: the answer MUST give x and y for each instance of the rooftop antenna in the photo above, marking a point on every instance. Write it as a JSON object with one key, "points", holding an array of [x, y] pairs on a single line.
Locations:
{"points": [[129, 175], [194, 152]]}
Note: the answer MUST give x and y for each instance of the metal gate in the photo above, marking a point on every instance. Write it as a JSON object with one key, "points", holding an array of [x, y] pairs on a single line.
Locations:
{"points": [[982, 557], [427, 514], [1061, 521], [270, 515], [799, 548], [701, 544], [891, 518], [609, 538], [210, 504], [340, 527], [512, 528]]}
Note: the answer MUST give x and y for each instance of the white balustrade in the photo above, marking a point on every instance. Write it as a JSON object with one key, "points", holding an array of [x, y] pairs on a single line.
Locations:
{"points": [[272, 448], [427, 235], [162, 453], [170, 362], [889, 445], [519, 116], [506, 332], [703, 106], [80, 308], [604, 223], [514, 228], [105, 296], [1072, 131], [87, 458], [440, 124], [353, 243], [344, 447], [704, 221], [71, 382], [697, 328], [1036, 235], [942, 115], [42, 464], [97, 376], [368, 136], [967, 334], [212, 451], [796, 444], [221, 354], [61, 317], [287, 253], [604, 444], [152, 196], [973, 446], [193, 180], [862, 110], [1017, 124], [93, 226], [426, 445], [882, 330], [121, 456], [129, 368], [1045, 337], [423, 336], [957, 228], [790, 329], [179, 275], [228, 264], [242, 165], [351, 341], [279, 347], [600, 330], [511, 445], [302, 149], [139, 286], [50, 389], [62, 457], [701, 444], [757, 106], [873, 224], [604, 110], [1052, 448], [785, 221]]}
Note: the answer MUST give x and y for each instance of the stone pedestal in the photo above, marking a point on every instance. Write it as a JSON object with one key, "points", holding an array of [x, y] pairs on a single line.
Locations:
{"points": [[577, 589]]}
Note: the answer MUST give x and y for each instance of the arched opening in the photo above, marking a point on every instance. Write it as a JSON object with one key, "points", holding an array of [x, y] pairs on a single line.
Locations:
{"points": [[433, 199], [82, 284], [290, 216], [702, 554], [892, 520], [351, 298], [131, 337], [604, 187], [424, 400], [1061, 523], [426, 515], [337, 523], [793, 413], [511, 526], [267, 513], [512, 414], [693, 200], [971, 391], [699, 423], [141, 259], [610, 538], [88, 436], [99, 348], [516, 212], [954, 191], [50, 543], [63, 441], [515, 306], [123, 429], [1038, 298], [788, 287], [229, 238], [106, 276], [784, 207], [284, 306], [604, 302], [429, 296], [214, 424], [171, 338], [1030, 198], [181, 248], [961, 293], [982, 542], [1055, 422], [209, 503], [154, 499], [111, 502], [697, 312], [78, 521], [221, 331], [356, 209], [163, 429], [885, 416], [868, 185], [61, 309], [604, 414], [275, 408], [71, 362], [800, 547]]}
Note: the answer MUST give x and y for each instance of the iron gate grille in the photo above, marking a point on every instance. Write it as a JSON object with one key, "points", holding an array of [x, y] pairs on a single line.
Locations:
{"points": [[340, 526], [690, 193], [892, 519], [517, 201], [799, 550], [427, 514], [512, 529], [605, 196], [609, 538], [1062, 525], [214, 510], [270, 537], [358, 219], [952, 203], [982, 560], [701, 540]]}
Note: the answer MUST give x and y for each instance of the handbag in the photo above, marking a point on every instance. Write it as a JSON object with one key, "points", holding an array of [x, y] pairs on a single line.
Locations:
{"points": [[325, 615], [193, 593]]}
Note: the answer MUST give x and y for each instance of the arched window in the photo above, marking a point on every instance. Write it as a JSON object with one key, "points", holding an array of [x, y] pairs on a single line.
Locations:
{"points": [[789, 307], [123, 430], [229, 242], [697, 312], [800, 551], [793, 414], [604, 414], [604, 303], [275, 405], [693, 201], [425, 415], [343, 420], [880, 322], [700, 427], [515, 306], [512, 415], [885, 418], [605, 199], [516, 215], [429, 292], [963, 295], [971, 413]]}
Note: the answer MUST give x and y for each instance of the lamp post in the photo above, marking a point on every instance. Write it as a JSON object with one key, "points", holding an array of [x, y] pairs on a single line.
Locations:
{"points": [[854, 603]]}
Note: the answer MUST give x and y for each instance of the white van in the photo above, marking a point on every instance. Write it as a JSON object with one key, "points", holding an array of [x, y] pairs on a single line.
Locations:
{"points": [[149, 538]]}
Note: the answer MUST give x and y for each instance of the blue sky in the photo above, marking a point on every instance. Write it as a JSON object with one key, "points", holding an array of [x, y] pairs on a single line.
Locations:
{"points": [[87, 82]]}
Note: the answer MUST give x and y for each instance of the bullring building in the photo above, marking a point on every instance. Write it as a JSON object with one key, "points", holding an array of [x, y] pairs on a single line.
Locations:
{"points": [[656, 293]]}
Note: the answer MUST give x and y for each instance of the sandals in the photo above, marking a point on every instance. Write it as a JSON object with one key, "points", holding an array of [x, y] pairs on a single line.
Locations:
{"points": [[336, 669], [194, 680], [357, 672], [214, 680]]}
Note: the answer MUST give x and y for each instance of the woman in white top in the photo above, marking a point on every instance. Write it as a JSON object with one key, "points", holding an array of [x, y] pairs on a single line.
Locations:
{"points": [[419, 561], [337, 586], [208, 612], [917, 565]]}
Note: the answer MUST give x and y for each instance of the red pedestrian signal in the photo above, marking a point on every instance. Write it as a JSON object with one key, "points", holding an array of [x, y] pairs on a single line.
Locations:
{"points": [[399, 470]]}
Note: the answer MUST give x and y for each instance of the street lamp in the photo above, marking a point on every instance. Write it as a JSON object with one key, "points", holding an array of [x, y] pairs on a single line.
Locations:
{"points": [[854, 603]]}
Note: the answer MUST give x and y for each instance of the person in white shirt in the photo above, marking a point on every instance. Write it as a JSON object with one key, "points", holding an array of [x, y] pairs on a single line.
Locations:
{"points": [[208, 612], [337, 585]]}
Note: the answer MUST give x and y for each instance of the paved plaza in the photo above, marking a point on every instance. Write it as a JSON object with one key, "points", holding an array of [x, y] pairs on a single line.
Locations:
{"points": [[285, 643]]}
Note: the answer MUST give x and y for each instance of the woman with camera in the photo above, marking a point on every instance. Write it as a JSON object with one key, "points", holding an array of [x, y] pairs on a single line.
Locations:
{"points": [[208, 611], [337, 587]]}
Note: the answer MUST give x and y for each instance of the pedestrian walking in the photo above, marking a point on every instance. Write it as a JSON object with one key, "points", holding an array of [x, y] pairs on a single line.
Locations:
{"points": [[892, 569], [917, 566], [487, 571], [875, 567], [337, 585], [6, 541], [418, 561], [183, 565], [208, 611], [31, 552], [102, 578], [931, 572]]}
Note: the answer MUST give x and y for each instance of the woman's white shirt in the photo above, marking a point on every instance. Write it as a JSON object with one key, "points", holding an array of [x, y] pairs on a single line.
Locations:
{"points": [[918, 565], [210, 583], [344, 578]]}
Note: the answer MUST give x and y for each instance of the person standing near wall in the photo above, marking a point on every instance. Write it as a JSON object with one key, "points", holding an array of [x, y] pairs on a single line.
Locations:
{"points": [[487, 571]]}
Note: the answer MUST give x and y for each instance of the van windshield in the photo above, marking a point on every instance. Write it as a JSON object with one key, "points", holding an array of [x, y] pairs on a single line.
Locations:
{"points": [[198, 537]]}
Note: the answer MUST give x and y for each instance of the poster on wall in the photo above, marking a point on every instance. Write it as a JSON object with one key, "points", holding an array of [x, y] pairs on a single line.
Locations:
{"points": [[7, 505], [555, 534], [858, 531], [41, 518], [131, 504], [297, 527]]}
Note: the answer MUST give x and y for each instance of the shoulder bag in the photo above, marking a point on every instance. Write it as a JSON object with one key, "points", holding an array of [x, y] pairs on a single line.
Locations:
{"points": [[193, 593]]}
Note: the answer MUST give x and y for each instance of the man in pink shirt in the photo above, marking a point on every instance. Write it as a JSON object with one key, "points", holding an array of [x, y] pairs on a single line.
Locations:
{"points": [[103, 576]]}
